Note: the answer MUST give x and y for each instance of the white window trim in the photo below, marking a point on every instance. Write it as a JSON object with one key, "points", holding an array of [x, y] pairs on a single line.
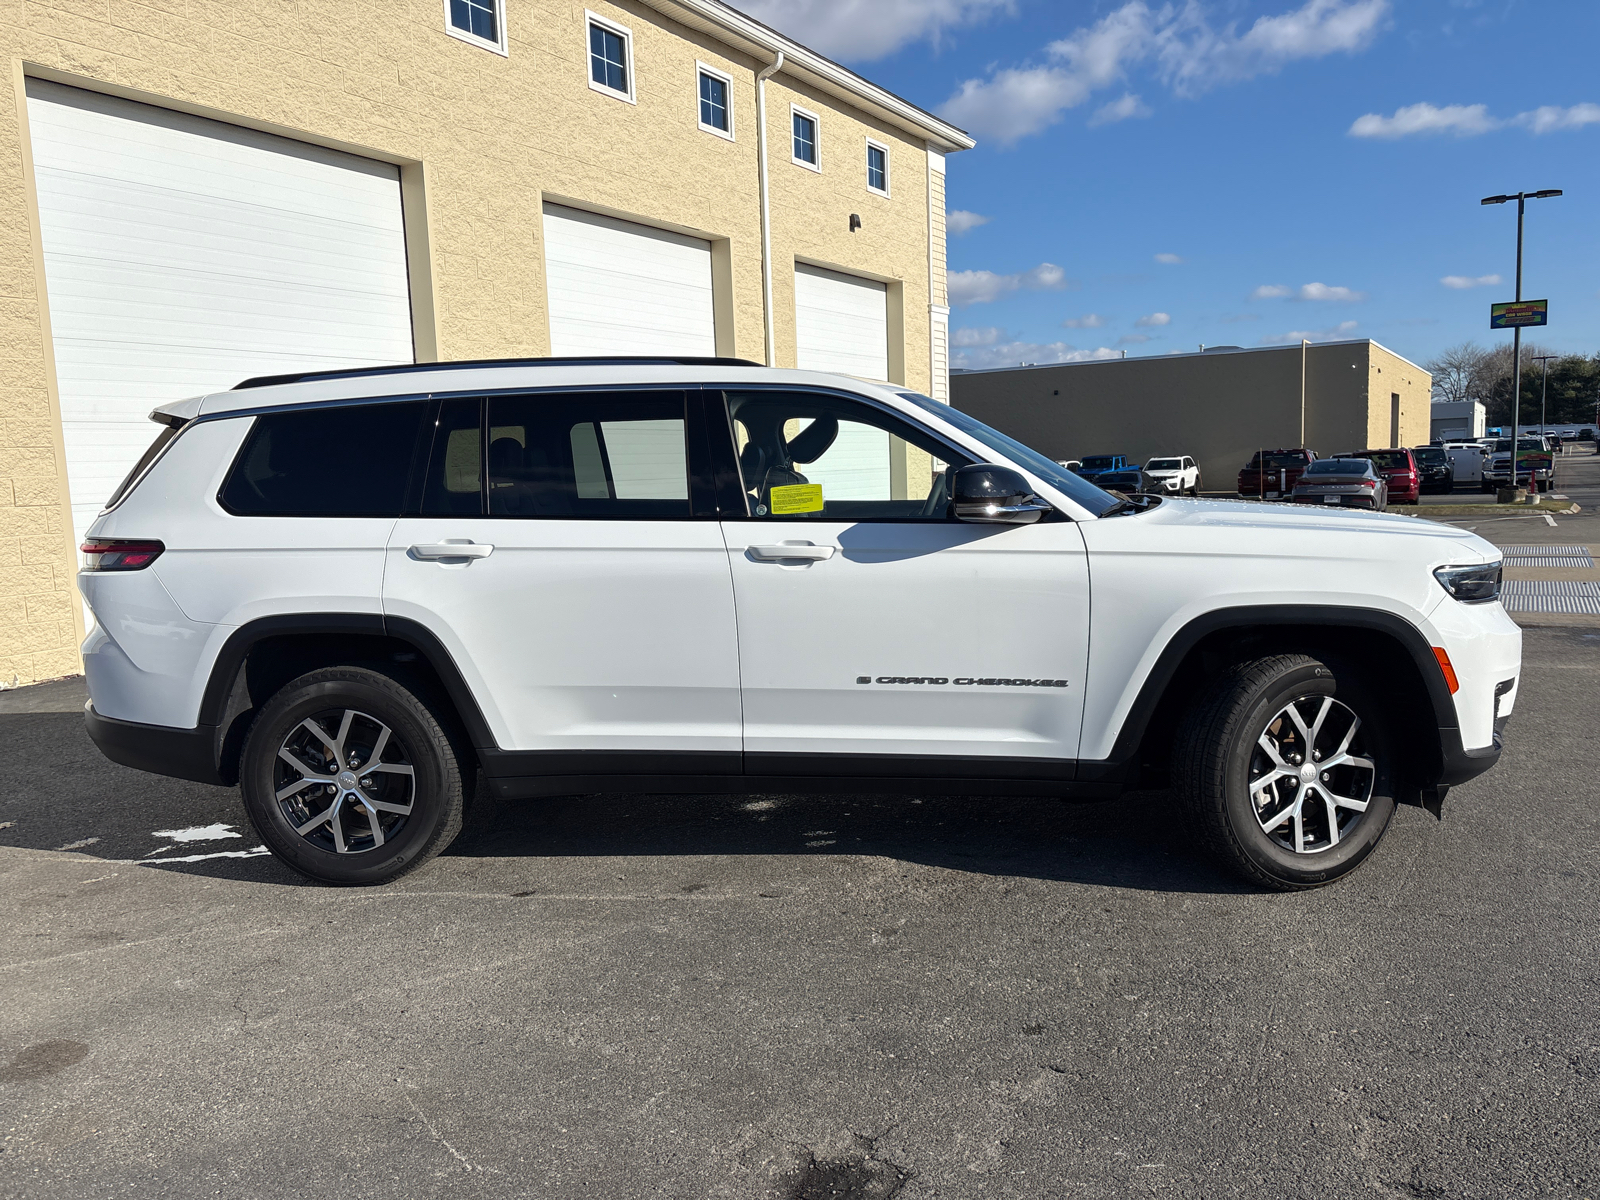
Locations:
{"points": [[700, 69], [626, 34], [816, 123], [473, 39], [888, 175]]}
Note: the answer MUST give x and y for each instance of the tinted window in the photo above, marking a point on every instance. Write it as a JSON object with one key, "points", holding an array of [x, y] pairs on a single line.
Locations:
{"points": [[1164, 464], [346, 461], [1393, 459], [571, 455], [1338, 466], [1275, 462], [1431, 455]]}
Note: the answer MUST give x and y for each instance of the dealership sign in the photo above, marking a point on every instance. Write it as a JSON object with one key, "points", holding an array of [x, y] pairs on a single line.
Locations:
{"points": [[1522, 312]]}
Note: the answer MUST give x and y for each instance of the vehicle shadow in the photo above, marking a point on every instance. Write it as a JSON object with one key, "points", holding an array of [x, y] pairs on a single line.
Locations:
{"points": [[58, 793]]}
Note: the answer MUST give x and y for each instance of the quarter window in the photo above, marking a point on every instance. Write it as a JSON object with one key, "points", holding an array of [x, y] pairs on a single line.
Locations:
{"points": [[481, 22], [878, 168], [715, 115], [805, 138], [610, 60], [301, 464]]}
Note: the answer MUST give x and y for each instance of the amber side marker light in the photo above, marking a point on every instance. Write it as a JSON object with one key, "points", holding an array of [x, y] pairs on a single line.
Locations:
{"points": [[110, 555], [1450, 679]]}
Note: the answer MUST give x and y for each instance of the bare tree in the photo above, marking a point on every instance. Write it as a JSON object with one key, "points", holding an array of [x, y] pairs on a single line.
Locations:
{"points": [[1459, 373]]}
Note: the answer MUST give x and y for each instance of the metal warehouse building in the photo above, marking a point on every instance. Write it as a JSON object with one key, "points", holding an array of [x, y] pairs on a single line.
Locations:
{"points": [[1220, 406], [197, 193]]}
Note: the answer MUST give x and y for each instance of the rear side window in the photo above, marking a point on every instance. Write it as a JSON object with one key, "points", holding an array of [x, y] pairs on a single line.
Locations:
{"points": [[349, 461], [619, 455]]}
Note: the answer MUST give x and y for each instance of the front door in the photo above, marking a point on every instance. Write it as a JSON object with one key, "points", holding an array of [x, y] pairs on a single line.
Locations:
{"points": [[560, 558], [877, 635]]}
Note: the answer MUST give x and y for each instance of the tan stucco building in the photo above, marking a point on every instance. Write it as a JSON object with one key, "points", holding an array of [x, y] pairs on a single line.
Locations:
{"points": [[192, 193], [1219, 406]]}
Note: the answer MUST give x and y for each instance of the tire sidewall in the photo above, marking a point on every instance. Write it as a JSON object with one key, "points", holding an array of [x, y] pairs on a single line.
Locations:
{"points": [[1310, 679], [430, 810]]}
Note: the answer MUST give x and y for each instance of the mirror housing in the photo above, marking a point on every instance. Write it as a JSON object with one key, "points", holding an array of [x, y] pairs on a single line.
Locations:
{"points": [[993, 495]]}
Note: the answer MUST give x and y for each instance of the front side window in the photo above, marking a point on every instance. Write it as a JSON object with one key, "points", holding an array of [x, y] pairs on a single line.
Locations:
{"points": [[304, 463], [805, 455], [478, 21], [877, 168], [618, 455], [805, 138], [608, 58], [714, 114]]}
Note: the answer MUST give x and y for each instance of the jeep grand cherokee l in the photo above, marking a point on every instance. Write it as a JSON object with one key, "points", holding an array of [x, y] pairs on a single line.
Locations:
{"points": [[361, 594]]}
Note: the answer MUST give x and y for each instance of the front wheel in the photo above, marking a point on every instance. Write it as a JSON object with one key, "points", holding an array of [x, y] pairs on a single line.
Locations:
{"points": [[1284, 771], [349, 778]]}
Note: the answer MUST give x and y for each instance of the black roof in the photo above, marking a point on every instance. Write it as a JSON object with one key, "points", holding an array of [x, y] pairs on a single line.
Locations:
{"points": [[403, 368]]}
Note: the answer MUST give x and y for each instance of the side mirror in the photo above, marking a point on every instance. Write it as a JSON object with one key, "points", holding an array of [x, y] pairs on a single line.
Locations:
{"points": [[992, 495]]}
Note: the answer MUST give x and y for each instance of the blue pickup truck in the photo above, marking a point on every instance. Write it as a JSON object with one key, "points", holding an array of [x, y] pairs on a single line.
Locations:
{"points": [[1096, 465]]}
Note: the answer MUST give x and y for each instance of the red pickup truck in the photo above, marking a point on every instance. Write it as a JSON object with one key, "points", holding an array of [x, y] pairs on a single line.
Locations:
{"points": [[1272, 474]]}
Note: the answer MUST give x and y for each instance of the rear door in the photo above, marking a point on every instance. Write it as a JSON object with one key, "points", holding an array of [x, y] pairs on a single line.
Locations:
{"points": [[567, 560], [876, 635]]}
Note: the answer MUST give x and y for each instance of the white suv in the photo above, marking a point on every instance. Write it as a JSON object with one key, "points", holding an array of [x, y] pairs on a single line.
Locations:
{"points": [[362, 594], [1177, 475]]}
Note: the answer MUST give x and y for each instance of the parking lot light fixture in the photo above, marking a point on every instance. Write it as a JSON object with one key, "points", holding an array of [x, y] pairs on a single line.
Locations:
{"points": [[1516, 333]]}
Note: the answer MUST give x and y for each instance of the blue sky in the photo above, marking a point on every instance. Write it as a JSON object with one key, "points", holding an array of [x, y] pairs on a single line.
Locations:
{"points": [[1154, 176]]}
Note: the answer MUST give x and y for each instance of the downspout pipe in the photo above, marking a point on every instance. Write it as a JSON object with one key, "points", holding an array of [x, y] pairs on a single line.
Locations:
{"points": [[766, 211]]}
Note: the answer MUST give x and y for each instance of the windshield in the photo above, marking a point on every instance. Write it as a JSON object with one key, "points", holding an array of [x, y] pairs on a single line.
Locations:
{"points": [[1276, 462], [1164, 464], [1079, 489], [1098, 462], [1503, 446], [1389, 458], [1338, 466]]}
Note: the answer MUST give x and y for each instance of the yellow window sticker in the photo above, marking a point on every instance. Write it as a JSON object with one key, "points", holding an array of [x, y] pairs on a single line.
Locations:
{"points": [[796, 498]]}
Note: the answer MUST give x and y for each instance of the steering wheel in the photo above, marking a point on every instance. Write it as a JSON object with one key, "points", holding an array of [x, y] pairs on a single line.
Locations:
{"points": [[938, 497]]}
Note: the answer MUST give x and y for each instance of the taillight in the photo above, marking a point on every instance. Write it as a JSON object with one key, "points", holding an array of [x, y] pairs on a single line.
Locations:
{"points": [[1369, 483], [109, 554]]}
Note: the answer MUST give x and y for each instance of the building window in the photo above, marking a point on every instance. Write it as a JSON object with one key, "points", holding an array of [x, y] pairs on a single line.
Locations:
{"points": [[610, 58], [878, 168], [716, 92], [805, 138], [481, 22]]}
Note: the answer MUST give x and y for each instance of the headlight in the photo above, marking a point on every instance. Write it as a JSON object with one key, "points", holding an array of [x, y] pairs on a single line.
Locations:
{"points": [[1471, 585]]}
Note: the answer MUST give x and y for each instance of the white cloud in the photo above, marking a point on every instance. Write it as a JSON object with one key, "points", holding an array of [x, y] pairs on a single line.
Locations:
{"points": [[1470, 120], [1126, 109], [1470, 281], [980, 287], [860, 30], [961, 221], [1306, 291], [1463, 120], [986, 335], [1152, 321], [1170, 260], [1342, 330], [1087, 321], [1189, 56], [1011, 354]]}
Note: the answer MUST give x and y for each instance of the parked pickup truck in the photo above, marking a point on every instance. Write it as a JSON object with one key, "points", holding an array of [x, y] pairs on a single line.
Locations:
{"points": [[1533, 455], [1092, 466], [1273, 473]]}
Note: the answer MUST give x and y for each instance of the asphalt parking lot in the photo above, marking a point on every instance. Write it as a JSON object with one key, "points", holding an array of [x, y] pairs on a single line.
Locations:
{"points": [[806, 997]]}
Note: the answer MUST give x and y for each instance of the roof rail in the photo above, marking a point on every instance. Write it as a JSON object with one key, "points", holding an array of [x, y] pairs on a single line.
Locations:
{"points": [[403, 368]]}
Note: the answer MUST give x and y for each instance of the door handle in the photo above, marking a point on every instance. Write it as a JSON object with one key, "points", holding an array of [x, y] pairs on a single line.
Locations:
{"points": [[462, 549], [792, 551]]}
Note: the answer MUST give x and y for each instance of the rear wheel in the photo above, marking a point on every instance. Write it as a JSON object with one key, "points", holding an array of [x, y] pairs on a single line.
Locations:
{"points": [[350, 779], [1284, 771]]}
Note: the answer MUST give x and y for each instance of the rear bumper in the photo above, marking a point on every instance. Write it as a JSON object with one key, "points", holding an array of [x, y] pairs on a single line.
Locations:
{"points": [[159, 749]]}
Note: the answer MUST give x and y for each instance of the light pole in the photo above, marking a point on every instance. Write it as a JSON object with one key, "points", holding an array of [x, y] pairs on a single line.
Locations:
{"points": [[1544, 385], [1516, 332]]}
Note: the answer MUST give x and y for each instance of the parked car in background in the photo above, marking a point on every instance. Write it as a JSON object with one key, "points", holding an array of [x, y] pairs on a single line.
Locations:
{"points": [[1175, 476], [1348, 482], [1534, 460], [1399, 471], [1128, 481], [1467, 459], [1092, 466], [1273, 473], [1438, 473]]}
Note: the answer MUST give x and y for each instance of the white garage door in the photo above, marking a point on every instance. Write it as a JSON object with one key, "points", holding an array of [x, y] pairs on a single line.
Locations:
{"points": [[620, 288], [182, 255], [841, 323]]}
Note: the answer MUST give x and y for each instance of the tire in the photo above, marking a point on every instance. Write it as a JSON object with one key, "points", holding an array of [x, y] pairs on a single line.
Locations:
{"points": [[364, 824], [1219, 752]]}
